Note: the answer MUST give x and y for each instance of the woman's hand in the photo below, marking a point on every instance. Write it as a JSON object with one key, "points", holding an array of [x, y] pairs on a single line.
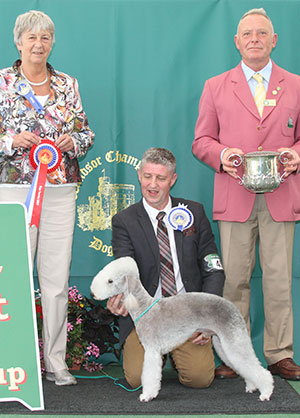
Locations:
{"points": [[115, 305], [65, 143], [25, 139]]}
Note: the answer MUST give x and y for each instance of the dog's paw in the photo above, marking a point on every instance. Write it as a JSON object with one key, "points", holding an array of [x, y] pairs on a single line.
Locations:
{"points": [[146, 398], [264, 397], [250, 389]]}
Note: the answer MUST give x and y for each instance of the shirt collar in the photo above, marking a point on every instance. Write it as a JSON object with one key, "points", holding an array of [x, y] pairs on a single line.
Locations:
{"points": [[264, 72], [18, 63], [54, 80], [152, 212]]}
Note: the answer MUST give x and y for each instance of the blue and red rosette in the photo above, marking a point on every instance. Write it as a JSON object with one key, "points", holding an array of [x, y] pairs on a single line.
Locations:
{"points": [[44, 158]]}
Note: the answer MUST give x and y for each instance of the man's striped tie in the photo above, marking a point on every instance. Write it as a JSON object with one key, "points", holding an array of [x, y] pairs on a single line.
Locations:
{"points": [[168, 285], [260, 93]]}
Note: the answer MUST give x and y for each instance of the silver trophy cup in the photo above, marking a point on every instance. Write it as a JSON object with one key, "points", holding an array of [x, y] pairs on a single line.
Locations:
{"points": [[261, 169]]}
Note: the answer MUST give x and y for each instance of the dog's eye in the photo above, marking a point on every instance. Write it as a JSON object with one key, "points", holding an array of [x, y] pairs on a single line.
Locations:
{"points": [[110, 281]]}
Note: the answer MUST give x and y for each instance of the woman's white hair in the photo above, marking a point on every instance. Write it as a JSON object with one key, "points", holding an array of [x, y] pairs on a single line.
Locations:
{"points": [[35, 21]]}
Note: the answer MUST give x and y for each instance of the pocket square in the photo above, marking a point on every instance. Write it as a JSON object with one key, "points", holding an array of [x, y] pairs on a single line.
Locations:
{"points": [[190, 231]]}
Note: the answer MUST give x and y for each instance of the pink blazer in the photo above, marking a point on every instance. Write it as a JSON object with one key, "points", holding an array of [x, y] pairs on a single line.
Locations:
{"points": [[228, 117]]}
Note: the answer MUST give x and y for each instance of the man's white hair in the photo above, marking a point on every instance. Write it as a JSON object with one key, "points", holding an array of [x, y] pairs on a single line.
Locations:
{"points": [[260, 12]]}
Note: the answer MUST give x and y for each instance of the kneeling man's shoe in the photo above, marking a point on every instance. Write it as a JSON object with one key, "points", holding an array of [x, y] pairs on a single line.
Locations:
{"points": [[61, 378], [286, 368], [225, 372]]}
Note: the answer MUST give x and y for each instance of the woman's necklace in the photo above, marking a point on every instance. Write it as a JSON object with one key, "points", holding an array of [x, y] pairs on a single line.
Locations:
{"points": [[32, 83]]}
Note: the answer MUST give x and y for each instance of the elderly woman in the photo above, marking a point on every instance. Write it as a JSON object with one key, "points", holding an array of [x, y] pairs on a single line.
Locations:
{"points": [[48, 108]]}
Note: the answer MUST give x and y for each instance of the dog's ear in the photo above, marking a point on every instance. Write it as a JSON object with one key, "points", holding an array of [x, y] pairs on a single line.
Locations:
{"points": [[131, 283], [131, 302]]}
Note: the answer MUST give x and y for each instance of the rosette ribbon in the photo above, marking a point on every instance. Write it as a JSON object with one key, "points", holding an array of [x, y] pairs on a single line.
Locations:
{"points": [[45, 158], [24, 90]]}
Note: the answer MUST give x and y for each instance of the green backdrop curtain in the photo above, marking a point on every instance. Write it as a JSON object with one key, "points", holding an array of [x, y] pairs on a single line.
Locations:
{"points": [[141, 67]]}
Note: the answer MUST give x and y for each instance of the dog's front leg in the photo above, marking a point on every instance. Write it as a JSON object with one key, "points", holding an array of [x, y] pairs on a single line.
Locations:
{"points": [[151, 375]]}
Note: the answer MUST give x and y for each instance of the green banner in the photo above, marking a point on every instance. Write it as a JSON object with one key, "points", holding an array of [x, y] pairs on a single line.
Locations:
{"points": [[108, 186], [20, 374]]}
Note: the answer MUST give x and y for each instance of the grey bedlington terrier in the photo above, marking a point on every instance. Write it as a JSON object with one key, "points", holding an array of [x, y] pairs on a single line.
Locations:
{"points": [[164, 324]]}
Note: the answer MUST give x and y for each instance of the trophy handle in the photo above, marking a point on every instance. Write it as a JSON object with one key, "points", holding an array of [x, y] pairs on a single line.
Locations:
{"points": [[237, 161], [283, 159]]}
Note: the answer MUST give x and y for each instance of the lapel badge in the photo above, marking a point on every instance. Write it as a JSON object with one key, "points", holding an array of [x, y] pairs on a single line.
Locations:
{"points": [[180, 217], [270, 102], [274, 92], [290, 123]]}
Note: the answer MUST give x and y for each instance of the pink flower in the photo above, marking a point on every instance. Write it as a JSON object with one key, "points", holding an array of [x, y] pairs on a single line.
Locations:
{"points": [[92, 366], [69, 327], [93, 350], [74, 294]]}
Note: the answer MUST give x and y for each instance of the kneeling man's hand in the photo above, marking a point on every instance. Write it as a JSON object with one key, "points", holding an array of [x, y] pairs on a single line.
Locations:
{"points": [[199, 338], [116, 306]]}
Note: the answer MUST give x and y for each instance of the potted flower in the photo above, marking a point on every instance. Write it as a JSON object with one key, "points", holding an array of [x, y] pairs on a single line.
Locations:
{"points": [[91, 332]]}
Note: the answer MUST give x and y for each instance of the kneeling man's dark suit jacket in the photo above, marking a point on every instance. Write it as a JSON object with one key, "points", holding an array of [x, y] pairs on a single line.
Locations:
{"points": [[133, 235]]}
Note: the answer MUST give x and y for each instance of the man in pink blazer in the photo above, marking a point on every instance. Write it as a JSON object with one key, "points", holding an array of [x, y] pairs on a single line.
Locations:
{"points": [[230, 122]]}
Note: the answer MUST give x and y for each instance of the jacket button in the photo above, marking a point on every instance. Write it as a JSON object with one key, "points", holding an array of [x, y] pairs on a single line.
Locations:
{"points": [[260, 148], [259, 128]]}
